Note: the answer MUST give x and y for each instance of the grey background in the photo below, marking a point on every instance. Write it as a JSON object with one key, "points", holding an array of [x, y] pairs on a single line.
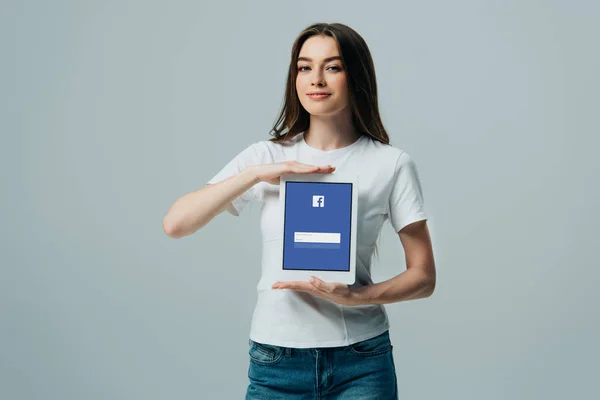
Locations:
{"points": [[111, 110]]}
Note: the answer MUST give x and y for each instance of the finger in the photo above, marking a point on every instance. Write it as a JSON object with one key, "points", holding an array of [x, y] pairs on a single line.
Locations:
{"points": [[305, 170], [321, 285], [325, 167], [317, 168], [329, 166], [295, 285], [305, 167], [305, 287], [301, 164], [298, 165]]}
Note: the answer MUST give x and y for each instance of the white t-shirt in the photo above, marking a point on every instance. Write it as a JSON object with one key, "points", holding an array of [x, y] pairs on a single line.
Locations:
{"points": [[388, 188]]}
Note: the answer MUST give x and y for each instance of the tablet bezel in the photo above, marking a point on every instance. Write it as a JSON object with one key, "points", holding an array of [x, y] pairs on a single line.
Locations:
{"points": [[347, 277]]}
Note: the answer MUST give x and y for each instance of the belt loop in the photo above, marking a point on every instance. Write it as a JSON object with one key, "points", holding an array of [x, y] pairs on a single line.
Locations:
{"points": [[288, 352]]}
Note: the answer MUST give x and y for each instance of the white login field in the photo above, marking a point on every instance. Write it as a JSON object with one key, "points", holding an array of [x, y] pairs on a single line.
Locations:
{"points": [[317, 237]]}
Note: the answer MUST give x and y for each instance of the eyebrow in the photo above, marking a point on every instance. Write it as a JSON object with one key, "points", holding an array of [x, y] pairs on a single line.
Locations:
{"points": [[324, 60]]}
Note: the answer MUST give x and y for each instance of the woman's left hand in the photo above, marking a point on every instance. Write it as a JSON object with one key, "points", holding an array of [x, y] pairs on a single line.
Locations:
{"points": [[337, 292]]}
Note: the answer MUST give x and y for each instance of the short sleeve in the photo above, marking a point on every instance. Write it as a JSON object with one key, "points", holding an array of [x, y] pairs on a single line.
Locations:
{"points": [[251, 155], [406, 203]]}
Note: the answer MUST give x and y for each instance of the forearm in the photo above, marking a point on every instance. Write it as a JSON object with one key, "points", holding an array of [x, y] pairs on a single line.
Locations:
{"points": [[411, 284], [194, 210]]}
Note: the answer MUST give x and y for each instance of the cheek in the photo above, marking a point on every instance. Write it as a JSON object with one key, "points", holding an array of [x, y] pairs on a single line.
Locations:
{"points": [[300, 90], [339, 84], [341, 87], [302, 82]]}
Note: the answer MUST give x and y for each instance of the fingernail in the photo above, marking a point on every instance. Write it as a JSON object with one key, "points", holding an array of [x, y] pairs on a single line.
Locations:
{"points": [[311, 279]]}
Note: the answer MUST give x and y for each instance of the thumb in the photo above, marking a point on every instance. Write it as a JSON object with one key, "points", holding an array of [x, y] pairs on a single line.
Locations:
{"points": [[318, 283]]}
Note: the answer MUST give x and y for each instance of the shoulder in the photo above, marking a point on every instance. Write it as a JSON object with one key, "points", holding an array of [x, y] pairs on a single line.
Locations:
{"points": [[388, 154], [263, 150], [275, 150]]}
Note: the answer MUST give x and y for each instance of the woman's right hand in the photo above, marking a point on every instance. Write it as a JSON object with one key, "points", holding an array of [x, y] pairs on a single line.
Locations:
{"points": [[271, 173]]}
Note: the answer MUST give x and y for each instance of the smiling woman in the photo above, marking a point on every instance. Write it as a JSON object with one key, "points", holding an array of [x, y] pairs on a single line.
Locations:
{"points": [[330, 62], [318, 339]]}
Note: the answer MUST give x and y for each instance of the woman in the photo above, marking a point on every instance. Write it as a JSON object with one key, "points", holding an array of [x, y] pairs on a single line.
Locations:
{"points": [[324, 339]]}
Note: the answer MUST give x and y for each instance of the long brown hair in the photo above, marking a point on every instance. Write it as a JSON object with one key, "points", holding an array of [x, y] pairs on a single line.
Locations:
{"points": [[362, 85]]}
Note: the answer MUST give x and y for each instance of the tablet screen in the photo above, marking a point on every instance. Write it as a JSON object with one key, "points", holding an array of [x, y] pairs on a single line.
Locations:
{"points": [[317, 223]]}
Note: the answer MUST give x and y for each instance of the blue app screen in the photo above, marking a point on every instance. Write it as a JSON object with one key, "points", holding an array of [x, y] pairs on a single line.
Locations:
{"points": [[317, 226]]}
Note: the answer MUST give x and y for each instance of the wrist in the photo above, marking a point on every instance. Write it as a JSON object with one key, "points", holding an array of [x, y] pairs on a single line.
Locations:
{"points": [[250, 173], [360, 295]]}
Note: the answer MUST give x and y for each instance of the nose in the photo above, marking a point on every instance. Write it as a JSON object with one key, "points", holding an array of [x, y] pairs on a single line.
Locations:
{"points": [[318, 79]]}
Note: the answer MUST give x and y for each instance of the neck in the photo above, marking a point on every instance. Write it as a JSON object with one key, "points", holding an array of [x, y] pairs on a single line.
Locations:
{"points": [[331, 132]]}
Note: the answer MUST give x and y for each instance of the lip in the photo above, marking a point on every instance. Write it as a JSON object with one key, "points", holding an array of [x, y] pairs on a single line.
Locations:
{"points": [[318, 95]]}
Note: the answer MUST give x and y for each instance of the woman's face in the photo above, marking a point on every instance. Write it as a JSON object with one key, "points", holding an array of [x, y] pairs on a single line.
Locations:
{"points": [[320, 70]]}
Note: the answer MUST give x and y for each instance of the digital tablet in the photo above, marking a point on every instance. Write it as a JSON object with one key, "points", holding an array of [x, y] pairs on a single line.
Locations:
{"points": [[319, 214]]}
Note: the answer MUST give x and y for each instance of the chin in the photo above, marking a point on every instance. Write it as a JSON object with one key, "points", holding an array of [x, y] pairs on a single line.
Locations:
{"points": [[322, 112], [324, 109]]}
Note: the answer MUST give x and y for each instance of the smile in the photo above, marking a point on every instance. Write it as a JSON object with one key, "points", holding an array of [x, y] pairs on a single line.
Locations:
{"points": [[318, 96]]}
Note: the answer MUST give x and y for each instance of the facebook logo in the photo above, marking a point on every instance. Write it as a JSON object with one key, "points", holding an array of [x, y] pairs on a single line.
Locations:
{"points": [[318, 201]]}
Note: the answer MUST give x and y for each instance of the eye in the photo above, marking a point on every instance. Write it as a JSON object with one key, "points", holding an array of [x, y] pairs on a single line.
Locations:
{"points": [[335, 68]]}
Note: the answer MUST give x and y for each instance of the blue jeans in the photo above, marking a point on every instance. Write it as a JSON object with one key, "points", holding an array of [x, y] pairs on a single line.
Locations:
{"points": [[361, 371]]}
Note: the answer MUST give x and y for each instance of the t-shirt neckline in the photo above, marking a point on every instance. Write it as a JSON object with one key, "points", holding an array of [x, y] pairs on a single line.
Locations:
{"points": [[333, 151]]}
